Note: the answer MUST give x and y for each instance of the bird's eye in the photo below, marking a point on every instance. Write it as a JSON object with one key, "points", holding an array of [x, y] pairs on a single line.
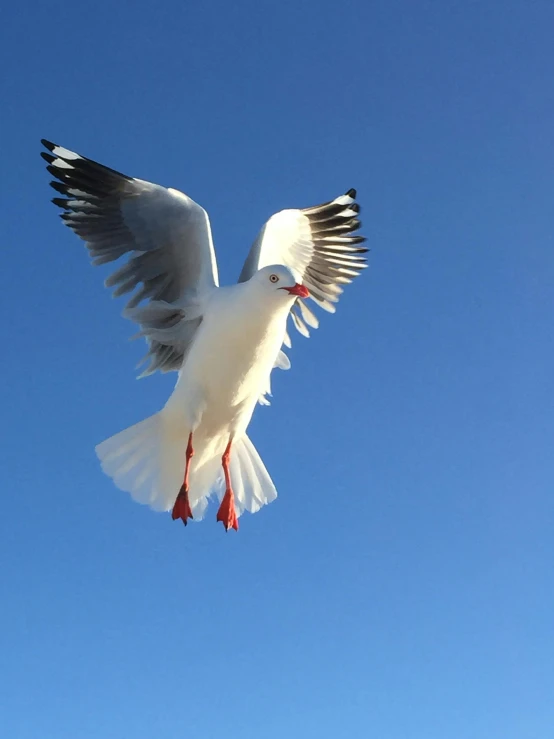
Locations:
{"points": [[273, 278]]}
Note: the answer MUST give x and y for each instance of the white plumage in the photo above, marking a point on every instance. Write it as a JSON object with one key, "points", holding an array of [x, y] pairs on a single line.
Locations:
{"points": [[224, 342]]}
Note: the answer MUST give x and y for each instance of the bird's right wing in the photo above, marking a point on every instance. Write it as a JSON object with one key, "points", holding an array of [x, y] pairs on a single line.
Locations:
{"points": [[166, 235]]}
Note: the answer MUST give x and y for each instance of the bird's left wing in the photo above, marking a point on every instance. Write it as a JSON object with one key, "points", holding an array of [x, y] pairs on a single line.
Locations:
{"points": [[319, 246]]}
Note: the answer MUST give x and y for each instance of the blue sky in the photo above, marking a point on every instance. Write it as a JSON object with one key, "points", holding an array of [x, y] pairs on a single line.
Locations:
{"points": [[401, 587]]}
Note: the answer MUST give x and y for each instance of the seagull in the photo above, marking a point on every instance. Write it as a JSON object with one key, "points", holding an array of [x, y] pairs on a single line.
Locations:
{"points": [[223, 342]]}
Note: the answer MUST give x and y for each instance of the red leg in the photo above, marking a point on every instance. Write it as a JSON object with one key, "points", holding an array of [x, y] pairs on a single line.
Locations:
{"points": [[181, 508], [226, 513]]}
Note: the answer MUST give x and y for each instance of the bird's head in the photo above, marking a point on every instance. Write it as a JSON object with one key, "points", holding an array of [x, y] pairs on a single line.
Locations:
{"points": [[278, 280]]}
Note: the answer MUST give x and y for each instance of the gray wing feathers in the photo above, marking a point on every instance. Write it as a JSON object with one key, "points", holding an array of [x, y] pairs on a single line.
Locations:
{"points": [[169, 331], [171, 237], [166, 235]]}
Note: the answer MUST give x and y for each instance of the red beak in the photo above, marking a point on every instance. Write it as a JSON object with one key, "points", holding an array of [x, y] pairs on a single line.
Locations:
{"points": [[297, 289]]}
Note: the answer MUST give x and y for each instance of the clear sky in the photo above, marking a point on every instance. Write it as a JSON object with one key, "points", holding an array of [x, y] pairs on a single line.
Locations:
{"points": [[401, 587]]}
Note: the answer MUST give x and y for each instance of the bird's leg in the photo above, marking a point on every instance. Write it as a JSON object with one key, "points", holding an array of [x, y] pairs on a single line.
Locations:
{"points": [[181, 508], [226, 513]]}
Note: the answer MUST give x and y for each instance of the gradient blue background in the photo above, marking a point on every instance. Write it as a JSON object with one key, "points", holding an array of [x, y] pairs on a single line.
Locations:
{"points": [[402, 585]]}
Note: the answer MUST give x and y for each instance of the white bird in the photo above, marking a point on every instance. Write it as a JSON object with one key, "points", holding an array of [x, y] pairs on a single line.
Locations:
{"points": [[222, 341]]}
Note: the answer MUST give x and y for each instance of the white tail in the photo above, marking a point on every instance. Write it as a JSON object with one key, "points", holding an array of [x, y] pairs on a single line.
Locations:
{"points": [[147, 460], [251, 482]]}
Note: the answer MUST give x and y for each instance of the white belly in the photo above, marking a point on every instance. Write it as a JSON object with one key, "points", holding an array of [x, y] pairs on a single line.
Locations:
{"points": [[226, 371]]}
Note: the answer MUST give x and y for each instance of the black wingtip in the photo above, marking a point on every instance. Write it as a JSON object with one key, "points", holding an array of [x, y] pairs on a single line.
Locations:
{"points": [[48, 144], [351, 193], [47, 157], [59, 186]]}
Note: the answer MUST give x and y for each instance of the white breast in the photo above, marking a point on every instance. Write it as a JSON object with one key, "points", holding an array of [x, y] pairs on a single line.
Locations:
{"points": [[230, 361]]}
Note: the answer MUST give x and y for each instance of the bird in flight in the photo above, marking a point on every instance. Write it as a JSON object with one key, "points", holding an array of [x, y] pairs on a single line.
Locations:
{"points": [[222, 341]]}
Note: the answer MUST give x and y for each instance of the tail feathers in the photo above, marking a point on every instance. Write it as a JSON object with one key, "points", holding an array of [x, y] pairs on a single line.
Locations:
{"points": [[147, 461], [252, 485]]}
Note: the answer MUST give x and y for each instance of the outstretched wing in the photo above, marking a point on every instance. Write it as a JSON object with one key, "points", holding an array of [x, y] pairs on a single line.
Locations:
{"points": [[166, 235], [319, 246]]}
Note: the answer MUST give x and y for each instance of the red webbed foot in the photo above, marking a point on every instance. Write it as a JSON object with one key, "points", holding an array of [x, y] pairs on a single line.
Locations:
{"points": [[182, 508], [227, 513]]}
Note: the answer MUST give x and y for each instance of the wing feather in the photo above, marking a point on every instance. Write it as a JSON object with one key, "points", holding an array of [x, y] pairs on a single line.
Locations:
{"points": [[319, 245], [165, 234]]}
